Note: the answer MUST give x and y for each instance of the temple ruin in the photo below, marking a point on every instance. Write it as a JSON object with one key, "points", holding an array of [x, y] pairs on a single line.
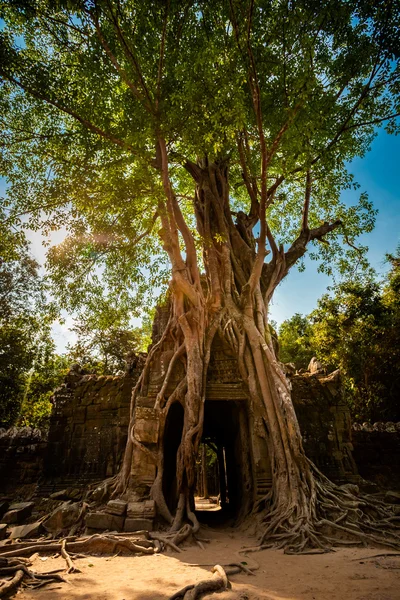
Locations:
{"points": [[89, 424], [90, 418]]}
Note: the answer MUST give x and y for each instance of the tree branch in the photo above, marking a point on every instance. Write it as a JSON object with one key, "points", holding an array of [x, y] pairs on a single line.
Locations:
{"points": [[304, 221], [137, 95], [85, 122], [161, 59], [129, 54]]}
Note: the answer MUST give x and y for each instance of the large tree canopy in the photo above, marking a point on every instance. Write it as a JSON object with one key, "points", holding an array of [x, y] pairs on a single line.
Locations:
{"points": [[211, 137]]}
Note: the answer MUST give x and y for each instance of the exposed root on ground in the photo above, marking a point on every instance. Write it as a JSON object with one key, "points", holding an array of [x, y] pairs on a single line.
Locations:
{"points": [[13, 563], [95, 544], [331, 516], [218, 582], [17, 568], [71, 568]]}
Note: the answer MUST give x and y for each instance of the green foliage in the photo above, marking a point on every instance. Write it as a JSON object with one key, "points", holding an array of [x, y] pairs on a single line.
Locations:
{"points": [[105, 340], [25, 319], [88, 86], [295, 341], [357, 328], [47, 373], [16, 351], [19, 293]]}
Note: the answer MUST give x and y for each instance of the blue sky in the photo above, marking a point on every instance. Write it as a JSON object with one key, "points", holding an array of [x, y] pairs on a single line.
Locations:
{"points": [[378, 174]]}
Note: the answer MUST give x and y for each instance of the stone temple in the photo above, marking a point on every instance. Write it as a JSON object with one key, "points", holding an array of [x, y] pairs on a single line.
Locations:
{"points": [[89, 423], [88, 432]]}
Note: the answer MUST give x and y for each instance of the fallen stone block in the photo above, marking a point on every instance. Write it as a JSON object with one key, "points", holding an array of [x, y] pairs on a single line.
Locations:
{"points": [[392, 497], [62, 517], [18, 512], [116, 507], [138, 524], [3, 530], [67, 494], [3, 507], [26, 531], [103, 521]]}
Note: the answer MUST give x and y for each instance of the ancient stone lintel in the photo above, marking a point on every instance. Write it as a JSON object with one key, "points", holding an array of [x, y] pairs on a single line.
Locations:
{"points": [[226, 391]]}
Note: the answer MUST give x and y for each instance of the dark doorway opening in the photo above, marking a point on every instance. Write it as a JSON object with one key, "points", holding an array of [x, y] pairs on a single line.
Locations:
{"points": [[172, 440], [225, 473]]}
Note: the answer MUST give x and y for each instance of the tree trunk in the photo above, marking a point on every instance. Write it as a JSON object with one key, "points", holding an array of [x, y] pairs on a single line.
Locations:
{"points": [[303, 509]]}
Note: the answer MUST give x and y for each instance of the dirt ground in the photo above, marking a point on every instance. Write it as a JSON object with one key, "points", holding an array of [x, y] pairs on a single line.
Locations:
{"points": [[347, 574]]}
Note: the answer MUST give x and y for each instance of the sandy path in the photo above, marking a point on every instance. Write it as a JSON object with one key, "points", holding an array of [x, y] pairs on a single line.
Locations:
{"points": [[343, 575]]}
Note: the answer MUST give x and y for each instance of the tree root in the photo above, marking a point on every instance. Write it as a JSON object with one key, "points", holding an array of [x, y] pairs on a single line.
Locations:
{"points": [[96, 544], [12, 585], [331, 516], [218, 582], [71, 568], [12, 561], [382, 555], [21, 574]]}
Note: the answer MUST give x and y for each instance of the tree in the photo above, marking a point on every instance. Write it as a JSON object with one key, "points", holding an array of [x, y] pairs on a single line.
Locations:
{"points": [[21, 303], [211, 137], [106, 351], [295, 341], [47, 372], [26, 348], [357, 329], [106, 339]]}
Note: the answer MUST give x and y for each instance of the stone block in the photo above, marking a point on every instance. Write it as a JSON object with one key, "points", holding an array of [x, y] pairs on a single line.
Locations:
{"points": [[143, 468], [138, 524], [146, 425], [392, 497], [18, 512], [135, 510], [149, 509], [67, 494], [63, 517], [26, 531], [3, 530], [123, 417], [116, 507], [92, 413], [103, 521], [79, 416], [3, 507]]}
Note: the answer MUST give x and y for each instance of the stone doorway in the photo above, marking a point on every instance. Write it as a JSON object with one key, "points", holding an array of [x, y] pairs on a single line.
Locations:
{"points": [[226, 434]]}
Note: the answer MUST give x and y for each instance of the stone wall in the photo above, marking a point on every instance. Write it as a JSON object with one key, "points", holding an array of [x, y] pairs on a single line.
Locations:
{"points": [[22, 453], [377, 454], [325, 424], [88, 430], [88, 426]]}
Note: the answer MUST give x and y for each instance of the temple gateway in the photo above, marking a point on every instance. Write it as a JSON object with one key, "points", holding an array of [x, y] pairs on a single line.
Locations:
{"points": [[89, 423]]}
